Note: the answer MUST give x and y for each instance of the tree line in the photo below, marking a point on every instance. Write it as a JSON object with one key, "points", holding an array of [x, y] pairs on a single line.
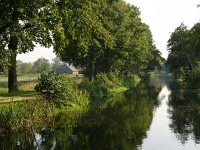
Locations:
{"points": [[184, 54], [100, 36], [41, 65]]}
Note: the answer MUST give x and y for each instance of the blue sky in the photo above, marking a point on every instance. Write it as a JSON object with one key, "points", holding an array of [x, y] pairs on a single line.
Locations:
{"points": [[163, 16]]}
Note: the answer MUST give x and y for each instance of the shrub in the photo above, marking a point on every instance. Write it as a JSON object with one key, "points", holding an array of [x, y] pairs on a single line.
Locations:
{"points": [[60, 91]]}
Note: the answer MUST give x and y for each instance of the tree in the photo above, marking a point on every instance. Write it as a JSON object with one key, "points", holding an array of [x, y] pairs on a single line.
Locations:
{"points": [[24, 23], [106, 37], [179, 59], [156, 62], [184, 47], [42, 65], [133, 40], [82, 32], [56, 63], [195, 43], [23, 68]]}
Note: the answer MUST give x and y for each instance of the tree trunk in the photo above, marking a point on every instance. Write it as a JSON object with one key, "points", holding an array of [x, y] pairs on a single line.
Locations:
{"points": [[12, 75], [12, 72], [189, 61], [91, 72], [107, 67]]}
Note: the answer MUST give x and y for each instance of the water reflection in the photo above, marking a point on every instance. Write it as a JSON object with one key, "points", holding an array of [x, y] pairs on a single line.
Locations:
{"points": [[159, 135], [119, 126], [119, 123], [176, 122], [185, 115]]}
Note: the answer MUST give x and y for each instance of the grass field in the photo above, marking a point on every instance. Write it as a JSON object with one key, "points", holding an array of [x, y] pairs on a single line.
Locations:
{"points": [[26, 85]]}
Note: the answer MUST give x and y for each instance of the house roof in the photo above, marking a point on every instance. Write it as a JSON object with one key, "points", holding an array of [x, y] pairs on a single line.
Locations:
{"points": [[71, 67]]}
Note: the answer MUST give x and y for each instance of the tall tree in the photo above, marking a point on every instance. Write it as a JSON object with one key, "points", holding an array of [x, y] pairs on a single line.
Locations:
{"points": [[82, 30], [195, 43], [133, 40], [106, 36], [184, 47], [178, 46], [22, 24]]}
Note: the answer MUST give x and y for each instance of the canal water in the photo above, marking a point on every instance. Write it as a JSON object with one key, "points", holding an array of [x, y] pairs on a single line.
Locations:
{"points": [[154, 115]]}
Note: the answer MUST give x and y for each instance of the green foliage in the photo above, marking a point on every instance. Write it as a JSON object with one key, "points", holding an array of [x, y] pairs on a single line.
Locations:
{"points": [[156, 62], [21, 29], [193, 80], [24, 68], [110, 80], [56, 64], [41, 65], [96, 90], [178, 46], [133, 40], [60, 91], [100, 88], [106, 84], [107, 37], [4, 61], [184, 47], [23, 115], [100, 36], [131, 80]]}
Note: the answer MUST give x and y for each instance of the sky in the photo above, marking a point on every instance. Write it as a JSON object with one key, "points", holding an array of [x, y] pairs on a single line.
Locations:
{"points": [[162, 16]]}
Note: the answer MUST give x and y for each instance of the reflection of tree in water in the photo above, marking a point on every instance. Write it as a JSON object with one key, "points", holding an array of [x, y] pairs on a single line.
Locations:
{"points": [[120, 123], [185, 114]]}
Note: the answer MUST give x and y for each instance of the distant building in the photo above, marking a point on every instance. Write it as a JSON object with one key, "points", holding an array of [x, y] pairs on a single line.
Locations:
{"points": [[68, 69]]}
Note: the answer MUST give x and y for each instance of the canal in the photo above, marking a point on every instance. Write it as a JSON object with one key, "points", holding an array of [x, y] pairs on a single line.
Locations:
{"points": [[154, 115]]}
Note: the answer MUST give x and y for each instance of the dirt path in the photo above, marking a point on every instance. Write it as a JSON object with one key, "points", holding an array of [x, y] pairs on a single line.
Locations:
{"points": [[19, 98]]}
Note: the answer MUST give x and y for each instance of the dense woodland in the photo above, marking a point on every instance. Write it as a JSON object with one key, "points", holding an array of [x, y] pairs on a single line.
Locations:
{"points": [[99, 36]]}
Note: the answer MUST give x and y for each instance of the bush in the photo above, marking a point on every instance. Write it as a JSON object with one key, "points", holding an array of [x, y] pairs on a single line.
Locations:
{"points": [[100, 88], [193, 80], [108, 84], [131, 80], [97, 90], [110, 80], [60, 91]]}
